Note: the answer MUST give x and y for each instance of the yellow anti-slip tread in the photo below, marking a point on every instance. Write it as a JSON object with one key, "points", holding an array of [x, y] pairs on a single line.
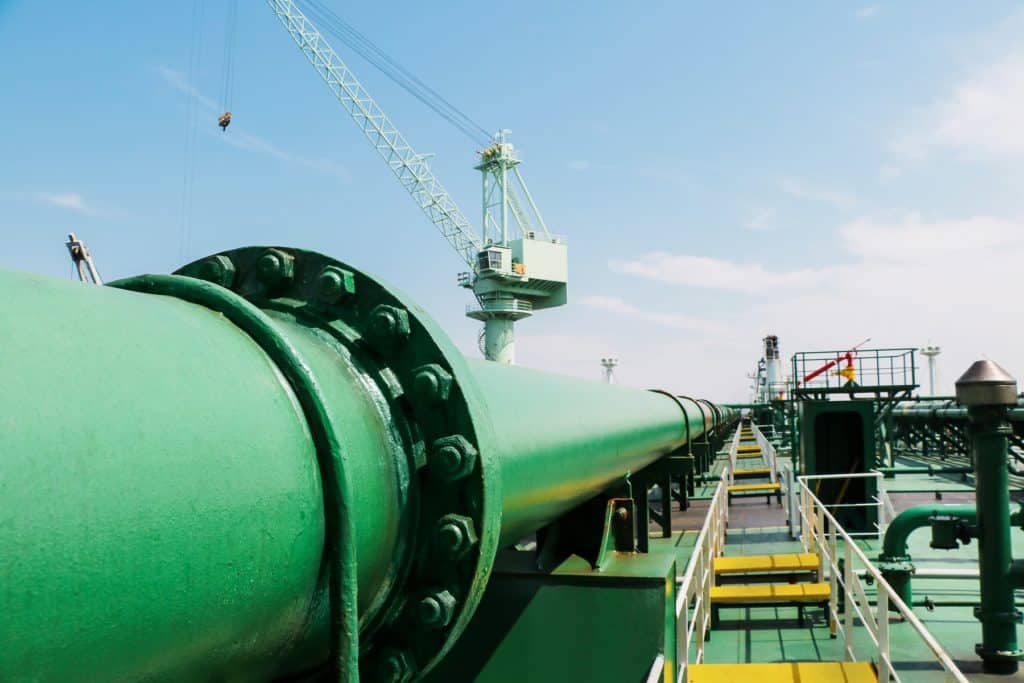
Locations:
{"points": [[742, 488], [775, 593], [743, 564], [744, 456], [752, 472], [784, 672]]}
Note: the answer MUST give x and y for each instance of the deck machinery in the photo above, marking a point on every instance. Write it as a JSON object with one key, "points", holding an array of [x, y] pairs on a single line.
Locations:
{"points": [[272, 466]]}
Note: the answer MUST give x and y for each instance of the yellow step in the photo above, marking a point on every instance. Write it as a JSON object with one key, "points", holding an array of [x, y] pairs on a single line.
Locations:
{"points": [[745, 488], [748, 449], [749, 455], [752, 594], [752, 472], [744, 564], [784, 672]]}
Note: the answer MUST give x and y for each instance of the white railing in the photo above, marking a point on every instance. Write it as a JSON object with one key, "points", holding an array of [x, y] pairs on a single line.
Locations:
{"points": [[878, 500], [822, 534], [693, 592], [732, 450], [769, 455]]}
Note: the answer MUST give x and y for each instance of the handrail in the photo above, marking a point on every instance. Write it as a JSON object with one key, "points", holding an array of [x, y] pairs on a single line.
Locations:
{"points": [[693, 592], [877, 502], [770, 456], [821, 533]]}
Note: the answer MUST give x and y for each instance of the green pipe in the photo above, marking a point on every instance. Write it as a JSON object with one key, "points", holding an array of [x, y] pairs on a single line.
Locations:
{"points": [[925, 469], [943, 410], [989, 392], [895, 561], [271, 465], [894, 545]]}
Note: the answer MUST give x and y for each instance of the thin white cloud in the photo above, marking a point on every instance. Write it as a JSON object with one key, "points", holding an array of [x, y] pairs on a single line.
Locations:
{"points": [[910, 237], [800, 189], [579, 165], [980, 117], [760, 219], [72, 201], [704, 271], [616, 305], [240, 139], [868, 11]]}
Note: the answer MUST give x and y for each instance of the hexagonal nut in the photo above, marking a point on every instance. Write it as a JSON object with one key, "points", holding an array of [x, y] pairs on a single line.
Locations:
{"points": [[334, 284], [395, 665], [435, 609], [455, 536], [452, 458], [275, 268], [431, 383], [387, 325], [219, 269]]}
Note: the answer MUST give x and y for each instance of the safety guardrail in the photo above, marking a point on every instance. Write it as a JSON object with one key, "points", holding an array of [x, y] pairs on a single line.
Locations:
{"points": [[822, 534], [880, 501], [770, 456], [693, 591]]}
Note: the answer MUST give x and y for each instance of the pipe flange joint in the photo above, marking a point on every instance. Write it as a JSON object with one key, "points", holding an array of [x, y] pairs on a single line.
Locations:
{"points": [[448, 545]]}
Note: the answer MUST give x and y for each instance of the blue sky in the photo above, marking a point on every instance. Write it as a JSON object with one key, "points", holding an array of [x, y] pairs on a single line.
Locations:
{"points": [[824, 171]]}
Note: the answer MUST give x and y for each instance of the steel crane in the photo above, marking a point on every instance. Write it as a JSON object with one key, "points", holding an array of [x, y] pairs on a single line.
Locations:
{"points": [[515, 264]]}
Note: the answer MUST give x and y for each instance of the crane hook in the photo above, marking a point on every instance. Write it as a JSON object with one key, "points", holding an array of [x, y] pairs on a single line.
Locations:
{"points": [[224, 121]]}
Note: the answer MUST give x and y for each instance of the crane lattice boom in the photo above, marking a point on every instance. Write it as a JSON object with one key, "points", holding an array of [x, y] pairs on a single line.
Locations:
{"points": [[411, 168]]}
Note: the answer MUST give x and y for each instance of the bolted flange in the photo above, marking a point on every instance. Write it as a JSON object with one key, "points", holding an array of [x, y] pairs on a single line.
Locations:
{"points": [[452, 458], [431, 383], [456, 536], [334, 284], [387, 325], [275, 268], [435, 609], [218, 269]]}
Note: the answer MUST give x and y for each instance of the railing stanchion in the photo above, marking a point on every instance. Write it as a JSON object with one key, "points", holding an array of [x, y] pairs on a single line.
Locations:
{"points": [[848, 609], [883, 637]]}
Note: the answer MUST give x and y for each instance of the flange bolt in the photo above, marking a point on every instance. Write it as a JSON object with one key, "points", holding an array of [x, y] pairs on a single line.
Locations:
{"points": [[387, 325], [334, 284], [217, 269], [395, 666], [275, 268], [435, 609], [452, 458], [431, 383], [456, 536]]}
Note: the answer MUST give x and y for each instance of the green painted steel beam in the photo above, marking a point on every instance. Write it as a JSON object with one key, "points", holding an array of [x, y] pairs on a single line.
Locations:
{"points": [[271, 464]]}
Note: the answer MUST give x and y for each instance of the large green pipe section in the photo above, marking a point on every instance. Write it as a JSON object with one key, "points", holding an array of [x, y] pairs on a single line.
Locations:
{"points": [[271, 465], [989, 392]]}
